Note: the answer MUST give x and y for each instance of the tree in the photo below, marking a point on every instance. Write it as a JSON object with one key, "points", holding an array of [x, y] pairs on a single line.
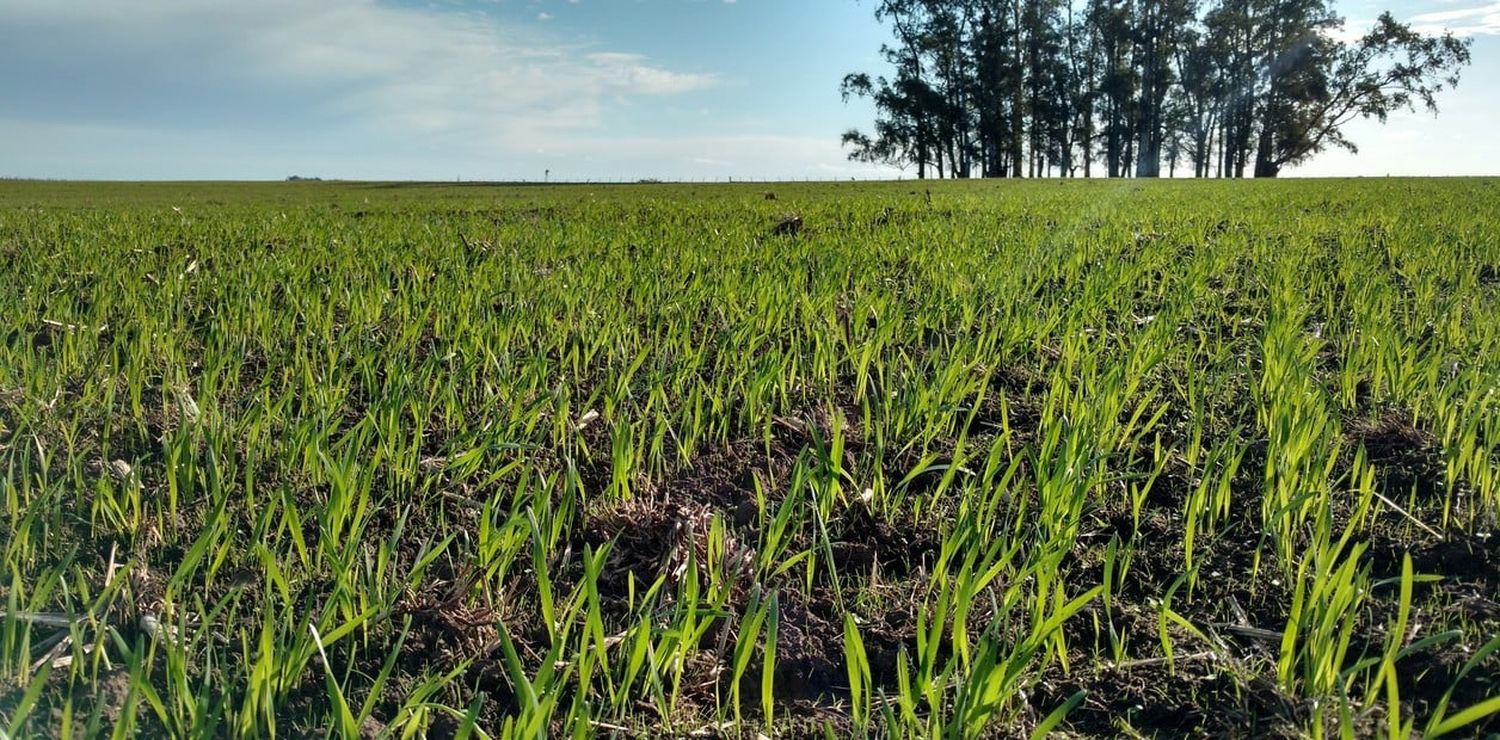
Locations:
{"points": [[1201, 60], [903, 134], [1118, 83], [1022, 87], [1390, 68], [1085, 53], [1161, 27], [997, 72], [923, 111]]}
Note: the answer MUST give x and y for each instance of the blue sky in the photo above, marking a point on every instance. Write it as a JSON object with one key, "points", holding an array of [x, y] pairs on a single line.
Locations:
{"points": [[508, 89]]}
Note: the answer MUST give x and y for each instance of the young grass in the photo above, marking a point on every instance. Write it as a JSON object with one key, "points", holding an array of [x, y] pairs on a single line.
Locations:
{"points": [[995, 458]]}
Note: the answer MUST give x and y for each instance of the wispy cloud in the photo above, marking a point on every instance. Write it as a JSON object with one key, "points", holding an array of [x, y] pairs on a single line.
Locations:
{"points": [[1480, 20], [423, 70], [349, 88], [633, 74]]}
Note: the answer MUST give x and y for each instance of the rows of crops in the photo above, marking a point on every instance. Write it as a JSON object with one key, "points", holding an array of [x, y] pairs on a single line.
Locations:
{"points": [[949, 459]]}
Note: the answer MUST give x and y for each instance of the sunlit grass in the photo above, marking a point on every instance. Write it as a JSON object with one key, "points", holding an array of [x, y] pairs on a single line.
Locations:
{"points": [[532, 462]]}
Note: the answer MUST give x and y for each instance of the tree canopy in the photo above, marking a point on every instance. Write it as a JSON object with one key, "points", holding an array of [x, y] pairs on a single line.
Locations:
{"points": [[1011, 88]]}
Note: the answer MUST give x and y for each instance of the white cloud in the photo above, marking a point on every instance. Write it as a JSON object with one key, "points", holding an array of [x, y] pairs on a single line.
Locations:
{"points": [[630, 73], [420, 70], [544, 16], [1481, 20], [1352, 30]]}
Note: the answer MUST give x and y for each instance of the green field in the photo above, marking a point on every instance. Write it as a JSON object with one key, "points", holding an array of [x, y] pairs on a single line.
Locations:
{"points": [[939, 459]]}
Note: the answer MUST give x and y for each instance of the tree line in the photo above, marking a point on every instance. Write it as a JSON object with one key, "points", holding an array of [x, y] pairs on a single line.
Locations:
{"points": [[1221, 88]]}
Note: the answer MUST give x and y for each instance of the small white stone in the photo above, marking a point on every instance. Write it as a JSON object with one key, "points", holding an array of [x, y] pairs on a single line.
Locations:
{"points": [[120, 469]]}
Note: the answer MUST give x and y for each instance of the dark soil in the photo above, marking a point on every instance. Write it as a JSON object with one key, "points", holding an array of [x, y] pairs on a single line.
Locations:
{"points": [[1407, 460]]}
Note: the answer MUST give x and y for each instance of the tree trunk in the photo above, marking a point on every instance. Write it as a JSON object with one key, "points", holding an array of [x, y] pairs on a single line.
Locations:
{"points": [[1148, 150]]}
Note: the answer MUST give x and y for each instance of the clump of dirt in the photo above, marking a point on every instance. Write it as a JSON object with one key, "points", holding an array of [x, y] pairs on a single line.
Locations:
{"points": [[1406, 458], [1237, 605], [1467, 559], [1470, 568], [809, 663], [726, 479], [1019, 410], [1193, 698], [816, 426], [447, 627], [1242, 607], [107, 697], [789, 225], [862, 543], [654, 535], [810, 672], [653, 538]]}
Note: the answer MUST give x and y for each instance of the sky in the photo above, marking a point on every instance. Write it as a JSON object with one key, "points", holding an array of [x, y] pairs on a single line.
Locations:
{"points": [[532, 89]]}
